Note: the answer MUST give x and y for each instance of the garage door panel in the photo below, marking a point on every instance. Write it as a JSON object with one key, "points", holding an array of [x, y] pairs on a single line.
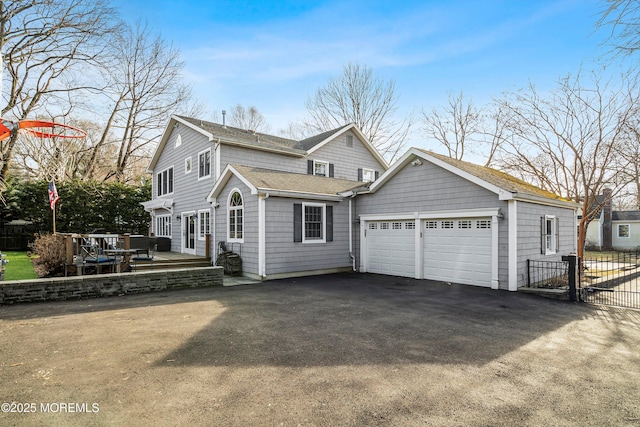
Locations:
{"points": [[391, 248], [454, 250], [460, 253]]}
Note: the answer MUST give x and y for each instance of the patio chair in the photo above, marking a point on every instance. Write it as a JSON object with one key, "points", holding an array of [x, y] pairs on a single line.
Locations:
{"points": [[144, 256], [90, 256]]}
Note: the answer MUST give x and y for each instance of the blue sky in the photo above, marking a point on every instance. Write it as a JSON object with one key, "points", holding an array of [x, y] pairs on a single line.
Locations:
{"points": [[274, 55]]}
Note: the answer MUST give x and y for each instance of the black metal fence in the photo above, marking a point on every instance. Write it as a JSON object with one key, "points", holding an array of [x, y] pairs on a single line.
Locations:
{"points": [[611, 279], [547, 274]]}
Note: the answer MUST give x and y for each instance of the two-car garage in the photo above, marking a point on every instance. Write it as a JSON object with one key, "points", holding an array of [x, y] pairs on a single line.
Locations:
{"points": [[457, 249]]}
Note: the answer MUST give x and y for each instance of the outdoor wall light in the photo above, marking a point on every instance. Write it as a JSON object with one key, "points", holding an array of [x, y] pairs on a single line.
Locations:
{"points": [[416, 162]]}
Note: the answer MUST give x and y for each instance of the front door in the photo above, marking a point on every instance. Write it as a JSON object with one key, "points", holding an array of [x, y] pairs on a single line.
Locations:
{"points": [[189, 233]]}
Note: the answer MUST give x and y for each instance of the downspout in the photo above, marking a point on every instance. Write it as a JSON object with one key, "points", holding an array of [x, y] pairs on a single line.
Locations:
{"points": [[353, 258]]}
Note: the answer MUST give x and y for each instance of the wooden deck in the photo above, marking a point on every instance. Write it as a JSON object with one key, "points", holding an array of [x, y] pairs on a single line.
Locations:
{"points": [[171, 260]]}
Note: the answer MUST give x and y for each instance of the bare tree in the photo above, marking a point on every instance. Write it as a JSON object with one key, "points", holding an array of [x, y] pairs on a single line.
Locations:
{"points": [[248, 119], [568, 142], [461, 128], [294, 130], [622, 18], [145, 87], [43, 45], [358, 96], [628, 156]]}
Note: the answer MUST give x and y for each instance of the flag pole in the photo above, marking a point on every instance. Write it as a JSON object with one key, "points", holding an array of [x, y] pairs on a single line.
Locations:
{"points": [[54, 219], [53, 199]]}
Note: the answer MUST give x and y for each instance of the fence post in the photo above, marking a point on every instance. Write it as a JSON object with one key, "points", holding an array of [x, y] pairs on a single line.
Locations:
{"points": [[573, 276]]}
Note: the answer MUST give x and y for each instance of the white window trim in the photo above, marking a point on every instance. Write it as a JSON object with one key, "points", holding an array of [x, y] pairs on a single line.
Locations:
{"points": [[178, 141], [370, 171], [200, 235], [155, 176], [324, 223], [188, 161], [157, 219], [210, 164], [550, 249], [628, 231], [229, 239], [321, 162]]}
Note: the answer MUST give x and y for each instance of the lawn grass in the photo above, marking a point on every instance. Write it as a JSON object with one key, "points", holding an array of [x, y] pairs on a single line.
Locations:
{"points": [[19, 266]]}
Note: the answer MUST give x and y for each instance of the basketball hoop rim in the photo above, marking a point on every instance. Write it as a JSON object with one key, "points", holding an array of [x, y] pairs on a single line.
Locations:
{"points": [[29, 125]]}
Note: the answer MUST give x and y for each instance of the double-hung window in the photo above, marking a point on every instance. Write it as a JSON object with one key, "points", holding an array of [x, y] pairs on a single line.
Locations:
{"points": [[320, 168], [204, 164], [164, 182], [312, 223], [550, 239]]}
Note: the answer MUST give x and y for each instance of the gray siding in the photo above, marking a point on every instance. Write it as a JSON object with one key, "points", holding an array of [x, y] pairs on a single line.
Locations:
{"points": [[429, 188], [230, 154], [248, 250], [529, 235], [347, 160], [283, 255], [189, 193]]}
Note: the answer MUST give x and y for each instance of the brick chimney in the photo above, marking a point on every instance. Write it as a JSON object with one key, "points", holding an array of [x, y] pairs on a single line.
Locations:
{"points": [[607, 227]]}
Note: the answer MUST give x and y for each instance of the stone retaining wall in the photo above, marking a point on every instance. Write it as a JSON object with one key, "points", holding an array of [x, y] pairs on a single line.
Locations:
{"points": [[77, 287]]}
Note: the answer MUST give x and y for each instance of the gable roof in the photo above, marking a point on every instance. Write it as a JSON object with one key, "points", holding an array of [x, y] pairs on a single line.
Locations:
{"points": [[504, 185], [248, 137], [314, 143], [284, 184], [257, 140]]}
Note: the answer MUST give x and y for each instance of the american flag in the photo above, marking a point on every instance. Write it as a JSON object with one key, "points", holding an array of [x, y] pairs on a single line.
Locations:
{"points": [[53, 195]]}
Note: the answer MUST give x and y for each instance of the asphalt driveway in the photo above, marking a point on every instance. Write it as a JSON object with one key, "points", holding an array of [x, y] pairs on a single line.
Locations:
{"points": [[336, 350]]}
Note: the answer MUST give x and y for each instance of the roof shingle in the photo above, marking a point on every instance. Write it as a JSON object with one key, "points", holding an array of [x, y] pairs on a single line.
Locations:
{"points": [[497, 178], [267, 179]]}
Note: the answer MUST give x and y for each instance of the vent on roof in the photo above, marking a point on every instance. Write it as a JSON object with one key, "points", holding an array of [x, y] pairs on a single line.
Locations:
{"points": [[224, 122]]}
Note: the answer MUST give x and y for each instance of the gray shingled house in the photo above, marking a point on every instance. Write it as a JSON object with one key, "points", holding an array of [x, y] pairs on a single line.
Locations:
{"points": [[331, 203]]}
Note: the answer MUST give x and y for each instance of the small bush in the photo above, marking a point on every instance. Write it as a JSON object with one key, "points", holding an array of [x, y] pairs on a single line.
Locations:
{"points": [[49, 256]]}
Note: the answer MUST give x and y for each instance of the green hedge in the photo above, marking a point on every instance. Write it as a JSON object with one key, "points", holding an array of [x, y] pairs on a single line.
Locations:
{"points": [[84, 206]]}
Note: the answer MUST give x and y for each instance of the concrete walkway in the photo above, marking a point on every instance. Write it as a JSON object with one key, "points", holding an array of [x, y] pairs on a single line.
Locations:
{"points": [[238, 280]]}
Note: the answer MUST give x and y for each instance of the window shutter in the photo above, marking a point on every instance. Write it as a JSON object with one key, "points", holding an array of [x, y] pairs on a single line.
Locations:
{"points": [[329, 219], [330, 170], [377, 174], [297, 222], [309, 167], [360, 174], [557, 227], [543, 235]]}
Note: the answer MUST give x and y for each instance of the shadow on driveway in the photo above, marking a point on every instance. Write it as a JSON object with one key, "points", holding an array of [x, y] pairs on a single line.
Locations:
{"points": [[354, 319]]}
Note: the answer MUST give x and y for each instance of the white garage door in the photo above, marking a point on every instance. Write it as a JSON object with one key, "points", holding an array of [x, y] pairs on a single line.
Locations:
{"points": [[391, 247], [458, 250]]}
